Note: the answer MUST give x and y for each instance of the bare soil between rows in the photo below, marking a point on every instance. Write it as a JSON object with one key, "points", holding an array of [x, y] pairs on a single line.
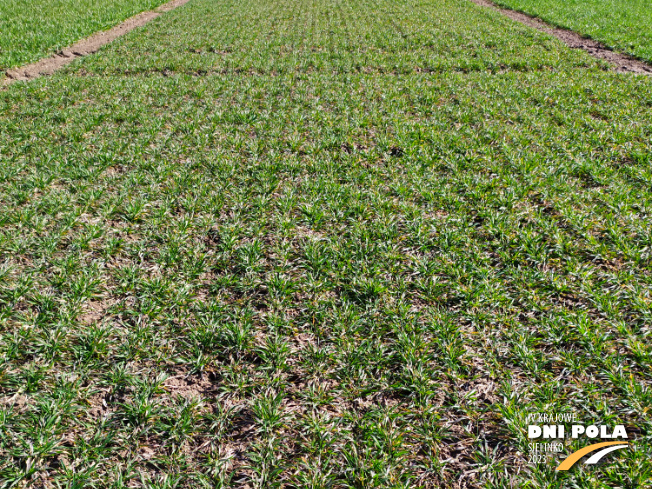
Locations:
{"points": [[49, 65], [622, 63]]}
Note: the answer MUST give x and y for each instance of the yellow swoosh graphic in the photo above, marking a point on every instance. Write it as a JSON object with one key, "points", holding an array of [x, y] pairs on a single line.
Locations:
{"points": [[574, 457]]}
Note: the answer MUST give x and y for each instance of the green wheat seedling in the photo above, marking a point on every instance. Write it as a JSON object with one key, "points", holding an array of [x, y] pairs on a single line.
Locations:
{"points": [[322, 244]]}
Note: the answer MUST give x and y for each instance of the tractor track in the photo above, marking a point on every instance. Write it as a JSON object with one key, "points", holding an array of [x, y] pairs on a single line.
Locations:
{"points": [[622, 63], [89, 45]]}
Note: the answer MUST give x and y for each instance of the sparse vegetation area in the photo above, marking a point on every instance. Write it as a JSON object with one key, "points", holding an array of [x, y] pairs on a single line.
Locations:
{"points": [[31, 29], [323, 243], [623, 26]]}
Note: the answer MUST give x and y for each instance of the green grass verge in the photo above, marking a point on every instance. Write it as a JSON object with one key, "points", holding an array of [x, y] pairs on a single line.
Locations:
{"points": [[623, 26], [284, 247], [32, 29]]}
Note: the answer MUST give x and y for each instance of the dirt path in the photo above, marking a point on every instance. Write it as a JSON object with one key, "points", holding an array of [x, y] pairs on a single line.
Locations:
{"points": [[49, 65], [623, 63]]}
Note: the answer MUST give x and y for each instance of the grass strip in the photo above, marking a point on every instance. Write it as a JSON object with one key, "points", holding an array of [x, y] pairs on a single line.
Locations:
{"points": [[623, 26], [32, 29]]}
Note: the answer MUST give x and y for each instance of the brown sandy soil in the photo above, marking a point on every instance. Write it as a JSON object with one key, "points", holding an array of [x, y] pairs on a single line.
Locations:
{"points": [[623, 63], [49, 65]]}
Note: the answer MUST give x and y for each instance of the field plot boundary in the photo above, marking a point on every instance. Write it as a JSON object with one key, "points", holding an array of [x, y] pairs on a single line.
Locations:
{"points": [[622, 63], [89, 45]]}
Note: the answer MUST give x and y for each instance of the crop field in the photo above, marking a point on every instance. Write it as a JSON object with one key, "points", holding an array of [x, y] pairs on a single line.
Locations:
{"points": [[323, 244], [622, 25], [31, 29]]}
